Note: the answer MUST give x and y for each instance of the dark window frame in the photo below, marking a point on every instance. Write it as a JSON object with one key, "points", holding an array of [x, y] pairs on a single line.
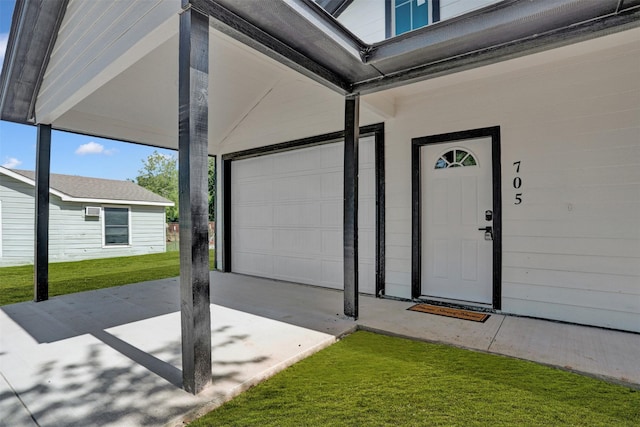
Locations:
{"points": [[105, 226]]}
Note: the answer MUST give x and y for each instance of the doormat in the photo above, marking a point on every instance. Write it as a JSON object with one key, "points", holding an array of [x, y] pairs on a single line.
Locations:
{"points": [[450, 312]]}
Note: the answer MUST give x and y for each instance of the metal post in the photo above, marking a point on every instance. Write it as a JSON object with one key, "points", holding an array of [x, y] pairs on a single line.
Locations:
{"points": [[41, 241], [351, 136], [193, 75]]}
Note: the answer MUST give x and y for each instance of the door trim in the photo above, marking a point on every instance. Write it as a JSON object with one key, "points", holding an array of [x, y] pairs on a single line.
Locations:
{"points": [[416, 205], [375, 130]]}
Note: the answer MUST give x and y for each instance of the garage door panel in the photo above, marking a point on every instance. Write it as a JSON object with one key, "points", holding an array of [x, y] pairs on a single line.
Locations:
{"points": [[332, 273], [332, 214], [255, 167], [367, 183], [366, 156], [255, 264], [253, 239], [331, 156], [367, 214], [252, 192], [295, 161], [297, 241], [299, 187], [367, 276], [259, 215], [297, 269], [332, 186], [331, 242], [291, 204], [366, 247], [303, 214]]}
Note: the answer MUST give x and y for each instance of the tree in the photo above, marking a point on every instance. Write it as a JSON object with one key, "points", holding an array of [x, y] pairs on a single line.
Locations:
{"points": [[159, 174]]}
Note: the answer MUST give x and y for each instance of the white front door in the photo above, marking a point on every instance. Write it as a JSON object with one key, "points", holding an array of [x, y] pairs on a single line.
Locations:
{"points": [[456, 185]]}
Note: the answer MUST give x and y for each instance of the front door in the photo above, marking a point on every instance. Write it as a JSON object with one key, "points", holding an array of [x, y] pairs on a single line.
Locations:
{"points": [[457, 221]]}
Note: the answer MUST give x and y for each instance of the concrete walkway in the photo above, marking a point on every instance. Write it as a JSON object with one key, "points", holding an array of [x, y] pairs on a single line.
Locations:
{"points": [[112, 357]]}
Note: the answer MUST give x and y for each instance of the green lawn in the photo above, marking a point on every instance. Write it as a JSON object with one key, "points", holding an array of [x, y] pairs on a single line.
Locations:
{"points": [[374, 380], [16, 283]]}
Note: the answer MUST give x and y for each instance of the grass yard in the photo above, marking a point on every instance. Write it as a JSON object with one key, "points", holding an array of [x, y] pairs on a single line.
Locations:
{"points": [[374, 380], [16, 283]]}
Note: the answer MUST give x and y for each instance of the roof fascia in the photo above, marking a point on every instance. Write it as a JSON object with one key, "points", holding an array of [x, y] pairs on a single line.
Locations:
{"points": [[19, 87], [335, 7], [624, 19], [31, 182], [116, 202], [67, 198], [325, 21], [238, 28], [528, 15]]}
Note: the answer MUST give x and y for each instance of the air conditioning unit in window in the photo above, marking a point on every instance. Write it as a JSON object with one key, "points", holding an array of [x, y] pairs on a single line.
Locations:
{"points": [[92, 211]]}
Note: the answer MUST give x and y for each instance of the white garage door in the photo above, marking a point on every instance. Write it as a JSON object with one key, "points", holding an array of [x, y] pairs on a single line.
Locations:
{"points": [[287, 215]]}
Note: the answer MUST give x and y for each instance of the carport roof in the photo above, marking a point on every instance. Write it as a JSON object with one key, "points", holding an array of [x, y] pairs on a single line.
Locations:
{"points": [[307, 38]]}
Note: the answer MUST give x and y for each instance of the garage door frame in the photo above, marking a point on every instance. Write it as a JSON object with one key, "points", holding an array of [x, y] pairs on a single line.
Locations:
{"points": [[376, 130]]}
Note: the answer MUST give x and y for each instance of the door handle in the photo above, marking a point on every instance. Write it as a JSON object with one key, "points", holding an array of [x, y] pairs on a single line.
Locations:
{"points": [[488, 232]]}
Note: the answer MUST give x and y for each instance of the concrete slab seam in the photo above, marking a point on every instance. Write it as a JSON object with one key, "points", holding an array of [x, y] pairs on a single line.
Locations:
{"points": [[496, 334], [20, 399]]}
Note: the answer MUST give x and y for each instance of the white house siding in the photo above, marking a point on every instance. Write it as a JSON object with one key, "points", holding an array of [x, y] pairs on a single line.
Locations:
{"points": [[17, 221], [96, 41], [365, 19], [452, 8], [571, 250], [72, 236], [75, 237]]}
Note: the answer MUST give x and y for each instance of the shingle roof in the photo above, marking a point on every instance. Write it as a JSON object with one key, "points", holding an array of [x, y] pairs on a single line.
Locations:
{"points": [[81, 187]]}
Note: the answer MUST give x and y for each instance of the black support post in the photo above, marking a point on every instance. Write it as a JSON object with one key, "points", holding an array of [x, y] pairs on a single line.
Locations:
{"points": [[193, 76], [351, 136], [41, 241]]}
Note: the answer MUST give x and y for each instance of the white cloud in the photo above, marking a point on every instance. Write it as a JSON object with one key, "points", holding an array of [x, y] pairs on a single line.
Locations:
{"points": [[11, 162], [92, 148], [4, 38]]}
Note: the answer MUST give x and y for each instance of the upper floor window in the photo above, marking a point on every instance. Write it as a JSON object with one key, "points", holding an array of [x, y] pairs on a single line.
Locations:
{"points": [[412, 14]]}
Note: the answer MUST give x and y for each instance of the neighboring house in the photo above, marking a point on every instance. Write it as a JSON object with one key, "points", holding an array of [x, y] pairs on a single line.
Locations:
{"points": [[498, 158], [89, 218]]}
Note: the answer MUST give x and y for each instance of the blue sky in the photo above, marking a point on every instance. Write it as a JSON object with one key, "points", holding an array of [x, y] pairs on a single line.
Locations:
{"points": [[70, 153]]}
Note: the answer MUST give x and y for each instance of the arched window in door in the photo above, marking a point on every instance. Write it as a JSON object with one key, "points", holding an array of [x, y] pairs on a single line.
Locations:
{"points": [[455, 158]]}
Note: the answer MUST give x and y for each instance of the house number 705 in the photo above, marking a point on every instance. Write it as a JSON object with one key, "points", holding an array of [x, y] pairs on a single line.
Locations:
{"points": [[517, 183]]}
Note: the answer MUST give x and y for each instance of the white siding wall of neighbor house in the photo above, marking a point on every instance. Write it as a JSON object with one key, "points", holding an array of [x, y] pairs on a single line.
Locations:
{"points": [[17, 221], [72, 236], [571, 249], [97, 40]]}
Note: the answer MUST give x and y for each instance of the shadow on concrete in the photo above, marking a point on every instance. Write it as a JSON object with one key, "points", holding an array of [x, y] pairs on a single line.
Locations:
{"points": [[93, 351], [311, 307]]}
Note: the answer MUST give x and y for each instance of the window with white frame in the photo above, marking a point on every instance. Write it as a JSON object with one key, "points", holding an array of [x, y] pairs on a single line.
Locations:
{"points": [[411, 14], [116, 226]]}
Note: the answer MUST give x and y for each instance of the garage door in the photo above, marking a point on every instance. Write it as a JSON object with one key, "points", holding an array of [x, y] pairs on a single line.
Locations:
{"points": [[287, 215]]}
